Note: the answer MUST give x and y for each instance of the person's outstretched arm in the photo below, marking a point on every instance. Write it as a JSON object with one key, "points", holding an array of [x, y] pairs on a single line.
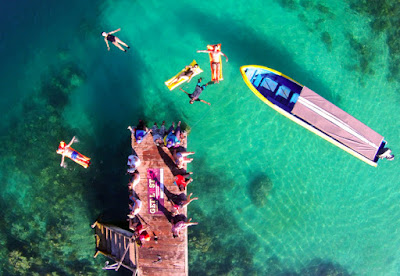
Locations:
{"points": [[203, 51], [108, 46], [225, 56], [62, 160], [117, 30], [184, 91], [70, 143], [203, 101]]}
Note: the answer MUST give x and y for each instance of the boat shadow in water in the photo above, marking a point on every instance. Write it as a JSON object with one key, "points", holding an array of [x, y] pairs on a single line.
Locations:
{"points": [[244, 45]]}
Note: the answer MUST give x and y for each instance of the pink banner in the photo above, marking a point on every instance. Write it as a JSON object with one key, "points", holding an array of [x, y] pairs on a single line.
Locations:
{"points": [[155, 188]]}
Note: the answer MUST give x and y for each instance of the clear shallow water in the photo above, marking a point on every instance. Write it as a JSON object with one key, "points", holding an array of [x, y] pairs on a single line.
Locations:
{"points": [[327, 211]]}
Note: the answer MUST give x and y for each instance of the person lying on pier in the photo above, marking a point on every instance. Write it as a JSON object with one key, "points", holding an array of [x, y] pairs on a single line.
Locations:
{"points": [[135, 207], [183, 180], [134, 180], [158, 134], [66, 150], [138, 133], [133, 163], [180, 225], [172, 138], [181, 159], [197, 91]]}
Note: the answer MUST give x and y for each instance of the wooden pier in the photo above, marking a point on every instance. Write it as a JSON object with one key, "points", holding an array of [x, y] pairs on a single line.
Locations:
{"points": [[165, 255]]}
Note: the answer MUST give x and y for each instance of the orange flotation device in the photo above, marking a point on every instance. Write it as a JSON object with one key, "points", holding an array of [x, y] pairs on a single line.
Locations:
{"points": [[75, 156], [215, 76]]}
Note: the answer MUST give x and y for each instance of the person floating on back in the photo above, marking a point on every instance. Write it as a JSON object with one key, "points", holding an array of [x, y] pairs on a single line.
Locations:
{"points": [[215, 61], [197, 91], [114, 40], [66, 150]]}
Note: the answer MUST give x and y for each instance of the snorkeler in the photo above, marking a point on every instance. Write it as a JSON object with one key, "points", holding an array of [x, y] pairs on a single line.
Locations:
{"points": [[197, 91], [66, 150], [114, 40]]}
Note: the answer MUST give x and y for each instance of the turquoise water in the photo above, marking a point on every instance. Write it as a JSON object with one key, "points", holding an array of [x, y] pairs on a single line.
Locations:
{"points": [[275, 199]]}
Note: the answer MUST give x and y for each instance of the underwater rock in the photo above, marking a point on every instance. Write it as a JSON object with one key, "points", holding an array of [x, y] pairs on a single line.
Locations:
{"points": [[306, 4], [260, 188], [326, 38]]}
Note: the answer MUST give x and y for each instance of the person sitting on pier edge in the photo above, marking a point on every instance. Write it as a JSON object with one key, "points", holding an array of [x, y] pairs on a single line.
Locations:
{"points": [[138, 133], [181, 159], [180, 201], [183, 180], [135, 208], [158, 134], [179, 225], [141, 233], [172, 138], [386, 153]]}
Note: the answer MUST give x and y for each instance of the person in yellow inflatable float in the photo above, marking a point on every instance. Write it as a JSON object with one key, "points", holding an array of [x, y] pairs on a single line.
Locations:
{"points": [[66, 150]]}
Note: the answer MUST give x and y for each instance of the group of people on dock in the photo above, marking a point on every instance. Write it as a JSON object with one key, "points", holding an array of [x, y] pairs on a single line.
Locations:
{"points": [[173, 139]]}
